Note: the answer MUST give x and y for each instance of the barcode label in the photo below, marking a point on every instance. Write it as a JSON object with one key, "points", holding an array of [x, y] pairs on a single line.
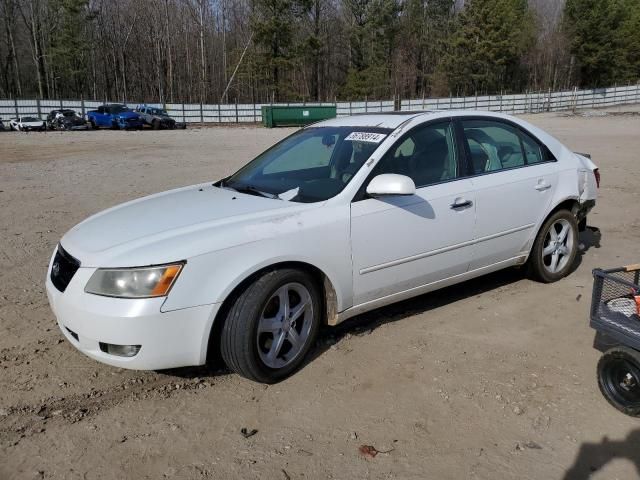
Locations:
{"points": [[369, 137]]}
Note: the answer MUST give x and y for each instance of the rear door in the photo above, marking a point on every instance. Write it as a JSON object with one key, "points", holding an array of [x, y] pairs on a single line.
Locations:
{"points": [[405, 242], [514, 178]]}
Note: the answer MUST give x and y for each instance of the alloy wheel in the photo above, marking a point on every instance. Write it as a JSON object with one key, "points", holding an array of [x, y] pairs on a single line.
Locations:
{"points": [[558, 246], [284, 325]]}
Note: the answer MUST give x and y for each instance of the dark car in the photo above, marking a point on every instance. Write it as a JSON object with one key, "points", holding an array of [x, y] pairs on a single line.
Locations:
{"points": [[65, 119], [158, 118]]}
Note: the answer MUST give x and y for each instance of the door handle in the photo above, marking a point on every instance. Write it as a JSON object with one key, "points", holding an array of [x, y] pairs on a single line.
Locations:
{"points": [[461, 203], [542, 186]]}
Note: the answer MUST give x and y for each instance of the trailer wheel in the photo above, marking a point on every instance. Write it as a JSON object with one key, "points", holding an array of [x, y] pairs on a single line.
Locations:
{"points": [[619, 379]]}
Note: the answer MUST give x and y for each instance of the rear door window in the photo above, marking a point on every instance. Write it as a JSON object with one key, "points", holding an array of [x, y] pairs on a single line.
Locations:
{"points": [[533, 152], [493, 146]]}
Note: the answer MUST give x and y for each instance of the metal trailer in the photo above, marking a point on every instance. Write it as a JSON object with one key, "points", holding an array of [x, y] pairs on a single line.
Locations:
{"points": [[615, 315]]}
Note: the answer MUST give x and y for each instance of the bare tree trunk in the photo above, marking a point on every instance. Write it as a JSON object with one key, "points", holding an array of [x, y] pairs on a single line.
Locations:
{"points": [[203, 65], [9, 23], [169, 58]]}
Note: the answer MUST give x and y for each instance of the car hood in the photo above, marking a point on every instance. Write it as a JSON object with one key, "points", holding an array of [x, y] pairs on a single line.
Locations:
{"points": [[36, 123], [174, 225]]}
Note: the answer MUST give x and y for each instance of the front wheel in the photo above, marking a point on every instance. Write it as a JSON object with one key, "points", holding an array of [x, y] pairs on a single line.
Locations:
{"points": [[555, 248], [272, 325], [619, 379]]}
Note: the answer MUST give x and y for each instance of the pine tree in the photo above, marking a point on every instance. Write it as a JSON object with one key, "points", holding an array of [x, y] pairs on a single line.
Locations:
{"points": [[593, 27], [68, 44], [485, 50], [274, 24]]}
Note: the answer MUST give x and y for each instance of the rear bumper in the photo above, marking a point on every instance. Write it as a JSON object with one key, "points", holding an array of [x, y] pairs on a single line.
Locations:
{"points": [[172, 339], [583, 211]]}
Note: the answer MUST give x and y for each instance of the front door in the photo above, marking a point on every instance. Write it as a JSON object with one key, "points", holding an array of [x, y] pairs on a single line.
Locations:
{"points": [[404, 242]]}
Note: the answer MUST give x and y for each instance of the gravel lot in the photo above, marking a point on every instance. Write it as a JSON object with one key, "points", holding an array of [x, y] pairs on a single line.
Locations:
{"points": [[493, 378]]}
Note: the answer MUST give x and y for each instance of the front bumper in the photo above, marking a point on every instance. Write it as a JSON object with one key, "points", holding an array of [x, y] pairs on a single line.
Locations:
{"points": [[172, 339]]}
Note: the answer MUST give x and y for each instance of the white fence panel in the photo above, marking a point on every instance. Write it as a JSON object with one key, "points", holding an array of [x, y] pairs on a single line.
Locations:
{"points": [[532, 102]]}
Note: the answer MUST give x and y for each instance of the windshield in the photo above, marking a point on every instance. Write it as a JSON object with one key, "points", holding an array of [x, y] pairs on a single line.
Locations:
{"points": [[118, 109], [30, 119], [312, 165], [157, 111]]}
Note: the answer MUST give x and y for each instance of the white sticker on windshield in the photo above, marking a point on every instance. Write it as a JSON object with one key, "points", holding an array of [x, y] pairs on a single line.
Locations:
{"points": [[369, 137]]}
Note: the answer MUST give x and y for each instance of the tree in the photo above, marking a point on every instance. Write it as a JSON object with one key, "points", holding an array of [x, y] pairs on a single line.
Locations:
{"points": [[600, 31], [68, 49], [485, 50], [274, 25], [375, 25]]}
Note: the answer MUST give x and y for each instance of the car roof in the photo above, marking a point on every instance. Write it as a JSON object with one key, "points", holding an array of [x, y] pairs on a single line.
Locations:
{"points": [[393, 120]]}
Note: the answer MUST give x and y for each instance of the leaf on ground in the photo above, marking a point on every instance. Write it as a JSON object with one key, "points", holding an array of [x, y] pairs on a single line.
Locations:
{"points": [[248, 433], [371, 451], [368, 451]]}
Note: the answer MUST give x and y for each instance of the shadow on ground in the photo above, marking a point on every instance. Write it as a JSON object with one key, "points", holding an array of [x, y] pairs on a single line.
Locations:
{"points": [[365, 323], [592, 457]]}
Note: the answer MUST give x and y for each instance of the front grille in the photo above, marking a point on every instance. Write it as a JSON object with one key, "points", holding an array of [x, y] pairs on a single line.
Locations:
{"points": [[63, 269]]}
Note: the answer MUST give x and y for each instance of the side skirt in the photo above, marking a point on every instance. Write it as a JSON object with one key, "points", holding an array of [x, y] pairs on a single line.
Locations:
{"points": [[429, 287]]}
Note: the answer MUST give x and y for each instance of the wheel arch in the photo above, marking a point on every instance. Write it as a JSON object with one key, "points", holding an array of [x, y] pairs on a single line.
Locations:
{"points": [[572, 204], [327, 290]]}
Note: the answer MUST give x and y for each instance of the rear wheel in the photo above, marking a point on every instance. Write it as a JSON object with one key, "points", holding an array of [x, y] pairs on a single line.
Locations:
{"points": [[555, 248], [156, 124], [619, 379], [272, 325]]}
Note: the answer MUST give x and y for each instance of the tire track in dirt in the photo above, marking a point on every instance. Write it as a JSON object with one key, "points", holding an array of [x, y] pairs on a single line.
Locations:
{"points": [[21, 420]]}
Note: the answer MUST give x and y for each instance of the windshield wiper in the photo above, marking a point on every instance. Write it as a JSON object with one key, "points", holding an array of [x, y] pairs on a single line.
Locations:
{"points": [[251, 190]]}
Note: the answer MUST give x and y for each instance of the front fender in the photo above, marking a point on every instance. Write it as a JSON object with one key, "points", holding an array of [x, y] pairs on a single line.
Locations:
{"points": [[210, 278]]}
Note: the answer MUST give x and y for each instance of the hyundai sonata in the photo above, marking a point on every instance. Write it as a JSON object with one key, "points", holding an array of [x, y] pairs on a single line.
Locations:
{"points": [[339, 218]]}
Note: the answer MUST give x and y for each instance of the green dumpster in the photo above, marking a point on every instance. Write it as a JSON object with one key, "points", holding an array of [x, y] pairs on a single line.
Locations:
{"points": [[283, 116]]}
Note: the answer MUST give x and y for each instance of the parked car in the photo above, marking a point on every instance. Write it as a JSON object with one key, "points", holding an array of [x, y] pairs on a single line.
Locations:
{"points": [[65, 119], [114, 115], [158, 118], [26, 124], [340, 218]]}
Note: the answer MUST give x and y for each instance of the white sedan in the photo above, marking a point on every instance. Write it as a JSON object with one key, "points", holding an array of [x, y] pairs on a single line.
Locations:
{"points": [[25, 124], [342, 217]]}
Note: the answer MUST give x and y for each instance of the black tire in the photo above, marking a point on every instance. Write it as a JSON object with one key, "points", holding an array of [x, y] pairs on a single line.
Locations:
{"points": [[537, 267], [619, 379], [155, 124], [239, 339], [93, 125]]}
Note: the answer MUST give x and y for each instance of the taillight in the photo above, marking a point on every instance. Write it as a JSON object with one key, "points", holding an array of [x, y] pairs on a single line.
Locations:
{"points": [[596, 172]]}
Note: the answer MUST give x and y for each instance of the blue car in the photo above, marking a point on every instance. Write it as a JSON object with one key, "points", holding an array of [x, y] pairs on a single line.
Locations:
{"points": [[114, 115]]}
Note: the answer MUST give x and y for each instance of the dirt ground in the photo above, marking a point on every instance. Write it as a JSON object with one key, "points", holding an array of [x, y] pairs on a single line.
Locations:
{"points": [[490, 379]]}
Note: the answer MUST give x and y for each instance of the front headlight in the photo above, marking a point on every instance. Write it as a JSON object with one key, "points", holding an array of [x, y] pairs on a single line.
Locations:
{"points": [[142, 282]]}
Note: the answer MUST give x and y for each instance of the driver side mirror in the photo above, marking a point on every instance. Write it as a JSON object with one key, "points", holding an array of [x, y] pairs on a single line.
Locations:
{"points": [[391, 184]]}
